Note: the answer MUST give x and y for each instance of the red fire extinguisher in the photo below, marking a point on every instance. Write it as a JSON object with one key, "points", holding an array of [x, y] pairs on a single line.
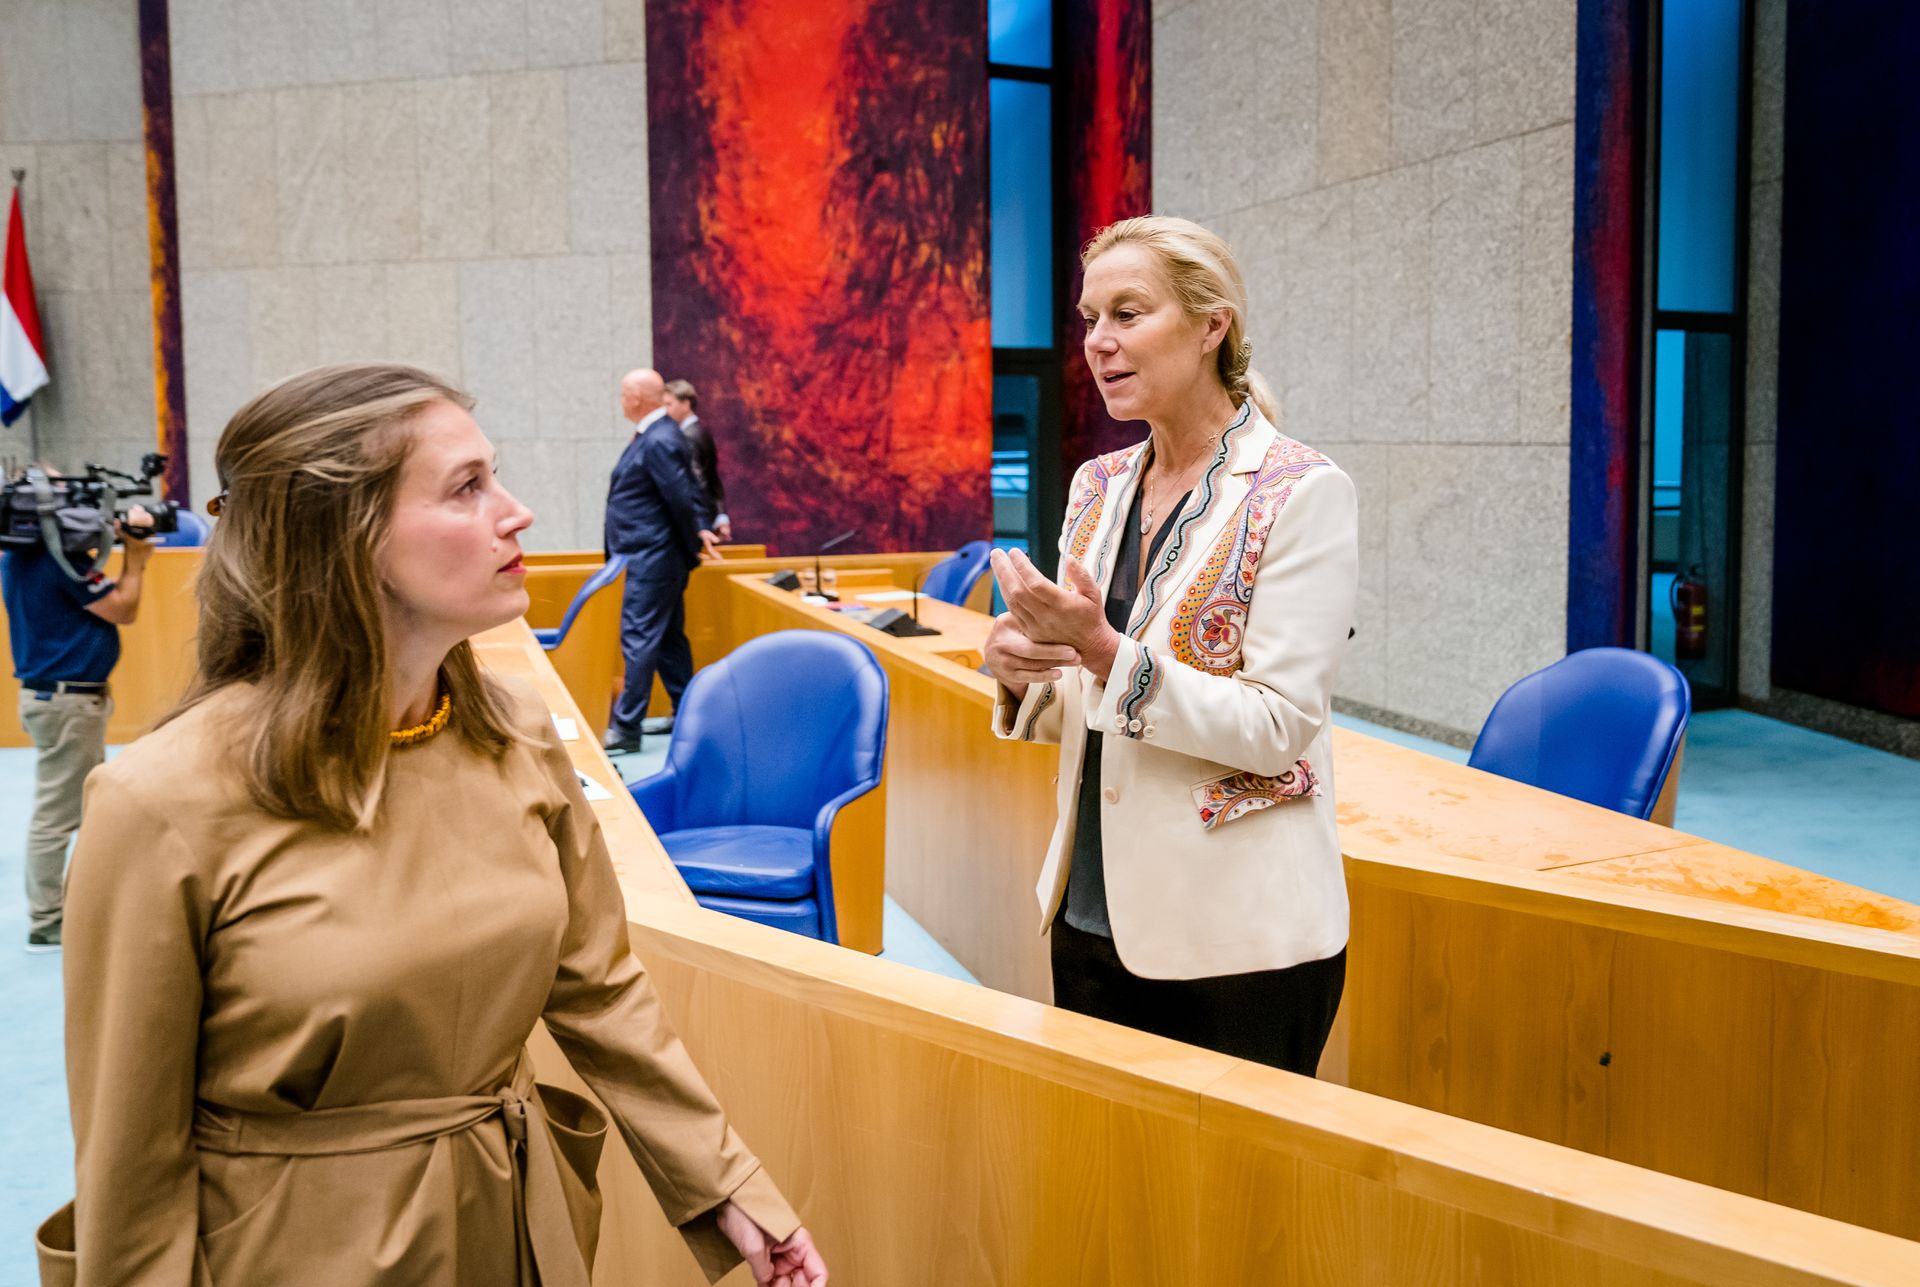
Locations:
{"points": [[1688, 599]]}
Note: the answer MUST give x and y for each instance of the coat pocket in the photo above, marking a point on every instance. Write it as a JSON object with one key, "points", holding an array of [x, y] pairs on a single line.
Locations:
{"points": [[579, 1132], [53, 1244], [1235, 795]]}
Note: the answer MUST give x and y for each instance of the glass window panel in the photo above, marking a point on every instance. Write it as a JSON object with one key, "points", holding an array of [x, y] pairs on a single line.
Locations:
{"points": [[1699, 136], [1692, 525], [1021, 175], [1016, 421], [1020, 32], [1006, 543], [1669, 408]]}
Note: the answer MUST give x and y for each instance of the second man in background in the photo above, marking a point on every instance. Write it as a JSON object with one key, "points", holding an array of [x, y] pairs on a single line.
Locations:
{"points": [[658, 516]]}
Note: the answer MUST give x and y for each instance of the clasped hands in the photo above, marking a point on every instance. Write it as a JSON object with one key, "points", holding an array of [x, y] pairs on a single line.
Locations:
{"points": [[1048, 625]]}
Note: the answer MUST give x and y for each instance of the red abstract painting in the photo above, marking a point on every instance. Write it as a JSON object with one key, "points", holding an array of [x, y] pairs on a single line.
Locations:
{"points": [[1107, 98], [818, 186]]}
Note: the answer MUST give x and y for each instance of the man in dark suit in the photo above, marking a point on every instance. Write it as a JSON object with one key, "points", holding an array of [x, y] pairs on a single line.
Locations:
{"points": [[683, 404], [657, 516]]}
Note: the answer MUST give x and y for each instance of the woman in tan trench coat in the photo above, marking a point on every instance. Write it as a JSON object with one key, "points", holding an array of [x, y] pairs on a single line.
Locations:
{"points": [[304, 950]]}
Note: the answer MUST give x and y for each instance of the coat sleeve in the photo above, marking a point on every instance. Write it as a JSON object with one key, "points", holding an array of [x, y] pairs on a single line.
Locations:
{"points": [[1032, 718], [1262, 718], [669, 460], [608, 1020], [135, 925], [710, 470]]}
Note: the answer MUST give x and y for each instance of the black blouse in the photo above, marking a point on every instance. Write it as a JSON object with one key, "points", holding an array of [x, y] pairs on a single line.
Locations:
{"points": [[1086, 903]]}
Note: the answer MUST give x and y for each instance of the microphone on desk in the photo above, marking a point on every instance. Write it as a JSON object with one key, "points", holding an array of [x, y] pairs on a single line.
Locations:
{"points": [[820, 586], [788, 579], [897, 623]]}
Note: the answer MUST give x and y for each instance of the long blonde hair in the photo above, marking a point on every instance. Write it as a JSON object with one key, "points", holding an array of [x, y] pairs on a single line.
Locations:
{"points": [[290, 592], [1205, 277]]}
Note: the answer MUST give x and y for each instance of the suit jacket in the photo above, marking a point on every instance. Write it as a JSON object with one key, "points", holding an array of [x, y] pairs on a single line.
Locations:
{"points": [[1217, 809], [655, 507], [706, 467]]}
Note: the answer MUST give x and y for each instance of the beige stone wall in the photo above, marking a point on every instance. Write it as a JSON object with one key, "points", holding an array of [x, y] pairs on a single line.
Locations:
{"points": [[1397, 178], [70, 116], [1763, 347], [461, 184]]}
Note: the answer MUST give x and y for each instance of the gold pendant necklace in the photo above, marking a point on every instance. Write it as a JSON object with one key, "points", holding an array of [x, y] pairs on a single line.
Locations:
{"points": [[1146, 508]]}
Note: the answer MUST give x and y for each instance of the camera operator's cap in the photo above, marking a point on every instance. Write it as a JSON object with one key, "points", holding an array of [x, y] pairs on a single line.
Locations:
{"points": [[218, 503]]}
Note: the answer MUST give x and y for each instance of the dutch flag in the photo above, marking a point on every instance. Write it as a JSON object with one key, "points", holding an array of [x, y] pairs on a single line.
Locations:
{"points": [[23, 354]]}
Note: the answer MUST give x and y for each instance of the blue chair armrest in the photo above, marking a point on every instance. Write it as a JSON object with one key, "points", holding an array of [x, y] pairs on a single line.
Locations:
{"points": [[655, 796], [823, 821], [823, 857]]}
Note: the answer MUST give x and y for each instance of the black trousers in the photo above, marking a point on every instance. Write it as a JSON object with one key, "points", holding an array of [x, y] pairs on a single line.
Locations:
{"points": [[1276, 1017], [653, 634]]}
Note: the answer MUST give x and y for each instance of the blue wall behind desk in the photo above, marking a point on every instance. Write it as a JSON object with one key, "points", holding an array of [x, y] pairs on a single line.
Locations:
{"points": [[1846, 599]]}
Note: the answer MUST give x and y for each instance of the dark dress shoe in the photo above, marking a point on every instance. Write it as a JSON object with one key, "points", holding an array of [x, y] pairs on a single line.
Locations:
{"points": [[617, 742], [657, 726]]}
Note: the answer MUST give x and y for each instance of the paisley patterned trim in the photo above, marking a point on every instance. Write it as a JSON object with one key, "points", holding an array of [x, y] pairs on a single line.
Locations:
{"points": [[1195, 510], [1143, 685], [1033, 720], [1209, 623], [1089, 496], [1237, 794]]}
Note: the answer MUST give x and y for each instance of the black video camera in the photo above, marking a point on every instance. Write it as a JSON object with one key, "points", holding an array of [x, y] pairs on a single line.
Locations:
{"points": [[74, 516]]}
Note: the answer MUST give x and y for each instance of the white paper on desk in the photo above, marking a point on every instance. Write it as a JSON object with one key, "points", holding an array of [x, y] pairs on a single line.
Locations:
{"points": [[591, 789], [888, 596], [569, 730]]}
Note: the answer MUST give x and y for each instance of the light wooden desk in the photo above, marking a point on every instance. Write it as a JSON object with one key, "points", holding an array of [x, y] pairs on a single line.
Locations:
{"points": [[921, 1124], [1517, 958], [962, 637]]}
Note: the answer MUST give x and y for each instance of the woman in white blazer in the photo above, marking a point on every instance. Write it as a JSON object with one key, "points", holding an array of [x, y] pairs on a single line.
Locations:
{"points": [[1185, 663]]}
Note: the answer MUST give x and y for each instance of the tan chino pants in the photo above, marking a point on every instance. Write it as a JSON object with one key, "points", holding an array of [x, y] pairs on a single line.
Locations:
{"points": [[69, 730]]}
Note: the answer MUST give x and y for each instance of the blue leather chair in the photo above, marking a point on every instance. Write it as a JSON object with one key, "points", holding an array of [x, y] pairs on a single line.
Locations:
{"points": [[550, 636], [1601, 725], [952, 579], [192, 532], [768, 746]]}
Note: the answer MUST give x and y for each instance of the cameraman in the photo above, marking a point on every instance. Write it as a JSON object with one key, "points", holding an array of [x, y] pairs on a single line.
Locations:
{"points": [[66, 639]]}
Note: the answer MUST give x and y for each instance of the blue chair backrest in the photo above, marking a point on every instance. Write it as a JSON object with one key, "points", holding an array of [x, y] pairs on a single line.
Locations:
{"points": [[1600, 725], [192, 532], [770, 733], [952, 579], [612, 568]]}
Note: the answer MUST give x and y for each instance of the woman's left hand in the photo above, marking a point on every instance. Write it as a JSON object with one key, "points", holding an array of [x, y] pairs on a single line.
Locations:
{"points": [[792, 1263], [1047, 612]]}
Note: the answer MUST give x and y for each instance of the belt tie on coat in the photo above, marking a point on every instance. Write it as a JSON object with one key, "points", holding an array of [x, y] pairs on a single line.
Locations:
{"points": [[545, 1229]]}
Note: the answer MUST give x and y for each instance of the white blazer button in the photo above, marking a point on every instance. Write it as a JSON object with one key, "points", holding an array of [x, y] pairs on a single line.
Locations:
{"points": [[1133, 726], [1110, 795], [1149, 731], [1121, 723]]}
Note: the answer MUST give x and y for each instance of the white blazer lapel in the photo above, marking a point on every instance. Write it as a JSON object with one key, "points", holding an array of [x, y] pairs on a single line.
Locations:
{"points": [[1219, 490], [1118, 492]]}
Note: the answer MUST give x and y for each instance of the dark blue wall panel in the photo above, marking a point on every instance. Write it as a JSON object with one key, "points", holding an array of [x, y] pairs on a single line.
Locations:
{"points": [[1846, 600]]}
